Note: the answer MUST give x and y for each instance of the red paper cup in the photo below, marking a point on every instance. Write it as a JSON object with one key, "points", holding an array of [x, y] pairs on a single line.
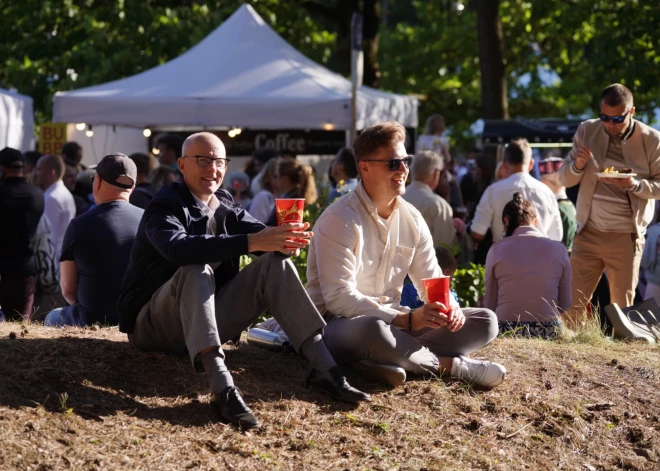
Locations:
{"points": [[289, 210], [437, 290]]}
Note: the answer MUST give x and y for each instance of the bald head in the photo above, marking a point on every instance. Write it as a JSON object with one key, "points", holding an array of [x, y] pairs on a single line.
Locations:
{"points": [[203, 141], [203, 164], [50, 169]]}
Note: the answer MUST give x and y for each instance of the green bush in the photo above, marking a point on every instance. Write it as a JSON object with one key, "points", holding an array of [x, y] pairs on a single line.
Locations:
{"points": [[469, 285]]}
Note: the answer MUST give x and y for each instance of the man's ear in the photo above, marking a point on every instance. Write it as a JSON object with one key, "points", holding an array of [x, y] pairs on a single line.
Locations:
{"points": [[531, 164], [364, 168], [180, 162]]}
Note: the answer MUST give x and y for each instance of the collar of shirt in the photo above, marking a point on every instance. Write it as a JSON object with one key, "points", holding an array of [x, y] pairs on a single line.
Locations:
{"points": [[561, 195], [629, 132], [525, 230], [369, 205], [207, 210], [53, 187]]}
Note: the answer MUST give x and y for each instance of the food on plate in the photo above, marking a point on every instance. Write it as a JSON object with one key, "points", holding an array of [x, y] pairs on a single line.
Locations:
{"points": [[614, 171]]}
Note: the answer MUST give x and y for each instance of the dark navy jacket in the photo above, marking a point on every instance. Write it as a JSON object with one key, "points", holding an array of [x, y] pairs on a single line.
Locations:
{"points": [[172, 233]]}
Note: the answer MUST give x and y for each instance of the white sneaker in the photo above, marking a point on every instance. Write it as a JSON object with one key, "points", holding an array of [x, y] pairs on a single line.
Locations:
{"points": [[388, 374], [476, 372]]}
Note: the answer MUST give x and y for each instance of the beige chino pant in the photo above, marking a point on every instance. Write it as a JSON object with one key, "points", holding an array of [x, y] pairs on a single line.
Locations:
{"points": [[594, 252]]}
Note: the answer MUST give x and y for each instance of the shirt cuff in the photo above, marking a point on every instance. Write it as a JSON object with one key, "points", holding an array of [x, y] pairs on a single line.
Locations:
{"points": [[575, 170], [638, 187], [478, 228]]}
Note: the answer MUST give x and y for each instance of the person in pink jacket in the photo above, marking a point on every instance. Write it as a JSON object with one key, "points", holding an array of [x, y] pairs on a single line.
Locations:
{"points": [[528, 276]]}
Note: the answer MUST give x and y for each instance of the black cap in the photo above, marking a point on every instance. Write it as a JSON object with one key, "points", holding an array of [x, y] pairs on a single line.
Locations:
{"points": [[118, 170], [11, 158]]}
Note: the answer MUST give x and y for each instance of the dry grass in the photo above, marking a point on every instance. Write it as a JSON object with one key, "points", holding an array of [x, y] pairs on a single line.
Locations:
{"points": [[84, 399]]}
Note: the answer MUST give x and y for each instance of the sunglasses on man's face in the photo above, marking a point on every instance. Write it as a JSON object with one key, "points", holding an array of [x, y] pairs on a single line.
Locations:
{"points": [[394, 164], [615, 119]]}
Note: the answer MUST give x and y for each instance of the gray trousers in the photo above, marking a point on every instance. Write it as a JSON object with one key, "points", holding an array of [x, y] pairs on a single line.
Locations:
{"points": [[370, 338], [187, 315]]}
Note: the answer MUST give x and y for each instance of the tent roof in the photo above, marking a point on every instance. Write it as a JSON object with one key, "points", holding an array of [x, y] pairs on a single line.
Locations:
{"points": [[16, 121], [242, 74]]}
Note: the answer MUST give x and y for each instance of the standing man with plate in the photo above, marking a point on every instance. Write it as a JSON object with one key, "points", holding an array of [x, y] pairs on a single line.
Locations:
{"points": [[612, 212]]}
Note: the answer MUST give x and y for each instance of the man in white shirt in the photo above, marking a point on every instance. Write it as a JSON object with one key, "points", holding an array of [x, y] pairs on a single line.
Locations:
{"points": [[59, 206], [426, 170], [364, 245], [517, 163]]}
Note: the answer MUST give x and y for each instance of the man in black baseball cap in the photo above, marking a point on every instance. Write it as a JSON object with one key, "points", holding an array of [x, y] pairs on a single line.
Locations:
{"points": [[118, 170], [21, 207], [11, 158], [96, 248]]}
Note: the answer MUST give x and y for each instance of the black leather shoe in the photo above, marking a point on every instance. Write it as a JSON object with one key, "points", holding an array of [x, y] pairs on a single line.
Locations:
{"points": [[334, 383], [231, 408]]}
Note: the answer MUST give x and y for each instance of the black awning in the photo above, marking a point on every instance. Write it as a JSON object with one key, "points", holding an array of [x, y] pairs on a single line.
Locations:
{"points": [[536, 131]]}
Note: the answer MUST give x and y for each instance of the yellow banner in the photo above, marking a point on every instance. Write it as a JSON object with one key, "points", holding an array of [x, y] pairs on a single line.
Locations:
{"points": [[52, 137]]}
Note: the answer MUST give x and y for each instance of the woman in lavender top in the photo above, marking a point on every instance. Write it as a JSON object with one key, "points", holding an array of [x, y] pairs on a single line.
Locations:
{"points": [[528, 276]]}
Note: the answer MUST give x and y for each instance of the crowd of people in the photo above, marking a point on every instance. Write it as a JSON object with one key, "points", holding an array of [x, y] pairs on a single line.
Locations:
{"points": [[155, 249]]}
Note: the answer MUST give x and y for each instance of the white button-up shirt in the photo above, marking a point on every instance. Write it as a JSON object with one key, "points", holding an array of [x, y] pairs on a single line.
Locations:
{"points": [[357, 261], [489, 210], [436, 212], [59, 209], [208, 210]]}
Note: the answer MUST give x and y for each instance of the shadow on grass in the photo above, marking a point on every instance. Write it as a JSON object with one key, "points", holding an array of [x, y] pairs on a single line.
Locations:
{"points": [[94, 377]]}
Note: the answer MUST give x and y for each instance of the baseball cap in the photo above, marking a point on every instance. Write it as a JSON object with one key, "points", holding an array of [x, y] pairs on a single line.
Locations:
{"points": [[11, 158], [118, 170]]}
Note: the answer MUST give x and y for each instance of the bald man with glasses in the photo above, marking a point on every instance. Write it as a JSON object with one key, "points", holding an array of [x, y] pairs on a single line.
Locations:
{"points": [[363, 247], [612, 213], [183, 291]]}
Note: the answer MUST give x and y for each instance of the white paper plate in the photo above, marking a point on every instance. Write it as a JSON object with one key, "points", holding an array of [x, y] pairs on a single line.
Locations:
{"points": [[615, 175]]}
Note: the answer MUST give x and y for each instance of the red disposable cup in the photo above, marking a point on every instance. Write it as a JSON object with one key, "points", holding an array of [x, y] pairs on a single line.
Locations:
{"points": [[289, 210], [437, 290]]}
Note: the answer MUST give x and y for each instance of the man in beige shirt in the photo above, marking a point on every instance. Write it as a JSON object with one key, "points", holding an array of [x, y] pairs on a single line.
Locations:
{"points": [[612, 213], [426, 170], [364, 245]]}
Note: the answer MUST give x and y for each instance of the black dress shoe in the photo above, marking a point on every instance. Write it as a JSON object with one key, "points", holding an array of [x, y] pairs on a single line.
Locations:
{"points": [[334, 383], [231, 408]]}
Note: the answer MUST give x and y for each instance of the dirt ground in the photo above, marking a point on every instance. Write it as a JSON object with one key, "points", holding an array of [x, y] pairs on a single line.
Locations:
{"points": [[85, 399]]}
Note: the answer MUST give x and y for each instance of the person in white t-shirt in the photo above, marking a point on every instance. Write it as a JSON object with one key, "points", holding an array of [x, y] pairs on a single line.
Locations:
{"points": [[364, 245], [517, 164], [59, 205]]}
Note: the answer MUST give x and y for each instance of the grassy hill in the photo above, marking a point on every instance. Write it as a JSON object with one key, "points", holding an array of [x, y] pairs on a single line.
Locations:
{"points": [[85, 399]]}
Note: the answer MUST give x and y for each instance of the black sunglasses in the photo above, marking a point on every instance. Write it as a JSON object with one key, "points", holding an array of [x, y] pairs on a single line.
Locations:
{"points": [[394, 164], [615, 119]]}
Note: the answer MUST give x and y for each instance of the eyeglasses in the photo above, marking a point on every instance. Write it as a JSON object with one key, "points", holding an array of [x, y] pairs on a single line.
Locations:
{"points": [[204, 161], [394, 164], [615, 119]]}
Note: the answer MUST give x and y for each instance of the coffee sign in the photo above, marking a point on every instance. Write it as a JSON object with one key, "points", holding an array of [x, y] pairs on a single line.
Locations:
{"points": [[284, 141]]}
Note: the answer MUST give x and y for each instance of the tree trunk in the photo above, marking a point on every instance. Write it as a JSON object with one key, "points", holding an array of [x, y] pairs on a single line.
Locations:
{"points": [[494, 101], [370, 39], [340, 15]]}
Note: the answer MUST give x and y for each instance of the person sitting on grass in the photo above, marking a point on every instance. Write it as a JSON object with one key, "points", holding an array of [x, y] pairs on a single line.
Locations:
{"points": [[364, 245], [183, 292], [96, 248], [528, 276]]}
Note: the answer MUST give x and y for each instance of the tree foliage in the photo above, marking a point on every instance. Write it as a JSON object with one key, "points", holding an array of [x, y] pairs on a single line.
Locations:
{"points": [[558, 55], [53, 45]]}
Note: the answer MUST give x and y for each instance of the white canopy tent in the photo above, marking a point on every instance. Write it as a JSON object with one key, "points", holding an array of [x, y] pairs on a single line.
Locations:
{"points": [[16, 121], [243, 74]]}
